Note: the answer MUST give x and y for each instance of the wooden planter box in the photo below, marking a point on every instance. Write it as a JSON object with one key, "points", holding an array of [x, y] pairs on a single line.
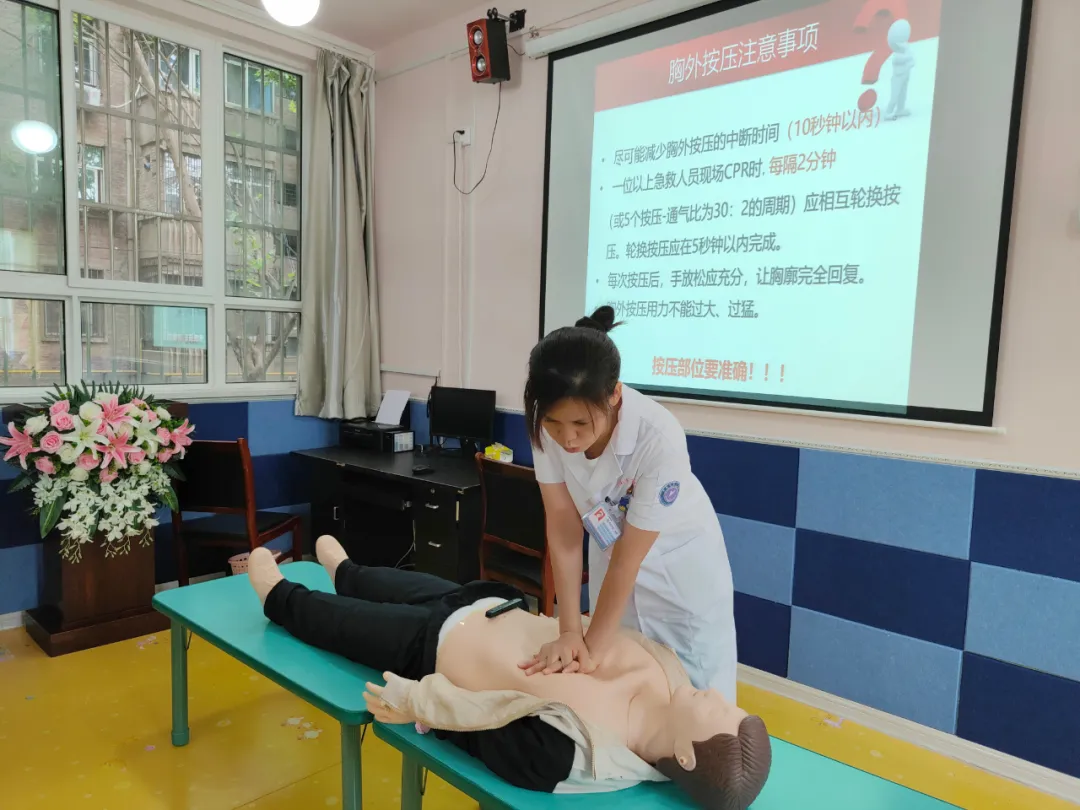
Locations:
{"points": [[96, 600]]}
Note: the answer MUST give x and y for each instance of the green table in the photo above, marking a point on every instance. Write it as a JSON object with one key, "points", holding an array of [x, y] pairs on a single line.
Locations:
{"points": [[800, 780], [227, 613]]}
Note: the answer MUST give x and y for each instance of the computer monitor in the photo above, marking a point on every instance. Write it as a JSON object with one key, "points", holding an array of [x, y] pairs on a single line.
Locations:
{"points": [[466, 414]]}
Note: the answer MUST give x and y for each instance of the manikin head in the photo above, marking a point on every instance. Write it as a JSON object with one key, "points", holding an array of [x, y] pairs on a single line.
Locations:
{"points": [[573, 390], [899, 35], [722, 755]]}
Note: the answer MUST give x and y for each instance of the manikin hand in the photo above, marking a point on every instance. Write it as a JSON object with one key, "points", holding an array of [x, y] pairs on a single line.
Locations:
{"points": [[381, 710], [566, 654]]}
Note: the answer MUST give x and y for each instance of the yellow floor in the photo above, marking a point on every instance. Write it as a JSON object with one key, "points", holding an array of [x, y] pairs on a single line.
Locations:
{"points": [[91, 731]]}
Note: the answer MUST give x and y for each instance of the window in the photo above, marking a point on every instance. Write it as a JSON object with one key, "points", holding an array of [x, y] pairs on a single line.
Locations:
{"points": [[138, 302], [145, 224], [148, 345], [262, 180], [31, 152], [91, 173], [262, 346], [174, 184], [191, 70], [25, 359], [254, 87], [87, 56]]}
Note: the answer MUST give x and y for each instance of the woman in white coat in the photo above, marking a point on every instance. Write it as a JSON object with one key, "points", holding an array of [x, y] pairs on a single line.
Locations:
{"points": [[615, 462]]}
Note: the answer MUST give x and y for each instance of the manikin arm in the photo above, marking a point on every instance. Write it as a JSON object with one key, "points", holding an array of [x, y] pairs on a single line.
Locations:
{"points": [[527, 752]]}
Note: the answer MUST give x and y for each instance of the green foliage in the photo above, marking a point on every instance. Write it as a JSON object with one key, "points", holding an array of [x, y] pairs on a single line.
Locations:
{"points": [[174, 472], [171, 501], [22, 482], [50, 516]]}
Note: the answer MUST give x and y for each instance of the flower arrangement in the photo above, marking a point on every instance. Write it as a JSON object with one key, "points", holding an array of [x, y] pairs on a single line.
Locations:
{"points": [[100, 461]]}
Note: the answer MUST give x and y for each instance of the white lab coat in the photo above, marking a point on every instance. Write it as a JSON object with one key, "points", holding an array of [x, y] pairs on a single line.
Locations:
{"points": [[683, 596]]}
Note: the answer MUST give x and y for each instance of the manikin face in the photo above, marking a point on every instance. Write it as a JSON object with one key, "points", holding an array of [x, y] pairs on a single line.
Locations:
{"points": [[576, 426], [700, 715]]}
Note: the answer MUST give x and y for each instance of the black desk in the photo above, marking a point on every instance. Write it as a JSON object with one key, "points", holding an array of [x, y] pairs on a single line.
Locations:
{"points": [[381, 512]]}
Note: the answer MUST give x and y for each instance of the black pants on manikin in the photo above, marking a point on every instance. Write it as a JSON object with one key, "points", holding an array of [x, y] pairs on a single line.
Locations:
{"points": [[383, 618]]}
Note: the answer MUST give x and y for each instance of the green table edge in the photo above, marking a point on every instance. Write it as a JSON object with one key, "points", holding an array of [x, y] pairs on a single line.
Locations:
{"points": [[347, 718], [421, 758]]}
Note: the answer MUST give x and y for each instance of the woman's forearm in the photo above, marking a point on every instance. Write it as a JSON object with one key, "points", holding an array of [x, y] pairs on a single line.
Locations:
{"points": [[611, 604], [564, 549], [626, 558]]}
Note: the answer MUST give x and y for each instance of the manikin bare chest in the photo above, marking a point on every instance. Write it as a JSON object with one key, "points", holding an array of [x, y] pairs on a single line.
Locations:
{"points": [[483, 654]]}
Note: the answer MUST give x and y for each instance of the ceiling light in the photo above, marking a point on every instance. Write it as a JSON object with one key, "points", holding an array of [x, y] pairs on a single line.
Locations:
{"points": [[34, 137], [292, 12]]}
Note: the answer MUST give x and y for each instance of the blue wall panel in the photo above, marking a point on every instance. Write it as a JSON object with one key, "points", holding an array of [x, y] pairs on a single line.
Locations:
{"points": [[909, 592], [904, 676], [924, 507]]}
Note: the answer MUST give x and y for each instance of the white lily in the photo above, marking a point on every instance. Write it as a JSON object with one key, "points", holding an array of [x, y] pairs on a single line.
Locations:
{"points": [[85, 437], [146, 436]]}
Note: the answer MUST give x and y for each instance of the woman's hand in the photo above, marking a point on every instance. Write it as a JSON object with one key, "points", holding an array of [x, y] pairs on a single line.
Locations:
{"points": [[566, 654]]}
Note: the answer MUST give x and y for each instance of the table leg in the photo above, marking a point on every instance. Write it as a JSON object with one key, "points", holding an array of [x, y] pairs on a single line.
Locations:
{"points": [[412, 784], [180, 732], [351, 768]]}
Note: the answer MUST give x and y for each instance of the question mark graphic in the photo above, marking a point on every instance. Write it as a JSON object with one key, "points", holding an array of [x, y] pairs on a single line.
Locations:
{"points": [[897, 9]]}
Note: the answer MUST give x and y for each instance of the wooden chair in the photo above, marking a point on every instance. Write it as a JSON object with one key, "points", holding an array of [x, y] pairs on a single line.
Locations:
{"points": [[513, 536], [221, 481]]}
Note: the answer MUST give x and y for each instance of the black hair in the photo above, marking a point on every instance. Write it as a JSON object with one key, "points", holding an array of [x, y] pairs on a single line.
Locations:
{"points": [[731, 770], [576, 362]]}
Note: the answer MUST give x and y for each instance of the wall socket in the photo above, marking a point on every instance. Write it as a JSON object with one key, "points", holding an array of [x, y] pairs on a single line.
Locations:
{"points": [[463, 136]]}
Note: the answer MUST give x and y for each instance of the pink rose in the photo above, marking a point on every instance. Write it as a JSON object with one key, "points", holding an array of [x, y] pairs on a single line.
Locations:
{"points": [[107, 476], [63, 420], [164, 456], [45, 466], [86, 462], [59, 407], [138, 457], [163, 436], [52, 442]]}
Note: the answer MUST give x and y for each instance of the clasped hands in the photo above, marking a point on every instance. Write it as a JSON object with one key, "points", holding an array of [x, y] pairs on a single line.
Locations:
{"points": [[568, 653]]}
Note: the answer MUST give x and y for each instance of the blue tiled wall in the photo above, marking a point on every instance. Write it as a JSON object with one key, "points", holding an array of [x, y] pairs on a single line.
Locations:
{"points": [[941, 594]]}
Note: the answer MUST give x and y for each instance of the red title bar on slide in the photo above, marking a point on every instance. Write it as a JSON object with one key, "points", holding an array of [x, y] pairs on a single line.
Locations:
{"points": [[835, 29]]}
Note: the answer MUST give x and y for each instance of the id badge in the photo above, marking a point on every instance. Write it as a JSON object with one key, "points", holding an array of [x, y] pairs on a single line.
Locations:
{"points": [[604, 526]]}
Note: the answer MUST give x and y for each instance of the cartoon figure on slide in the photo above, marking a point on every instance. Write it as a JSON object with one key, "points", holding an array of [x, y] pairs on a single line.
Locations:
{"points": [[903, 61]]}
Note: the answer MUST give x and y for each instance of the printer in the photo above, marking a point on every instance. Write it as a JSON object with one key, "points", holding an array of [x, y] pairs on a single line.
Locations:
{"points": [[380, 435]]}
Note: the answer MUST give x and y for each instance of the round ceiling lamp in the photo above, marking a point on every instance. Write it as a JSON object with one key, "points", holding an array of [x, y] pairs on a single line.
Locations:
{"points": [[34, 137], [292, 12]]}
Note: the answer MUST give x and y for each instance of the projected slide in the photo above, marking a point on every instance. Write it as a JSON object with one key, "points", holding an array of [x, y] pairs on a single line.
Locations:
{"points": [[757, 200]]}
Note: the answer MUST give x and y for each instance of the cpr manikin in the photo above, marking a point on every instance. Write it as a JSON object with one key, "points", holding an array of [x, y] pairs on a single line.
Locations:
{"points": [[635, 718]]}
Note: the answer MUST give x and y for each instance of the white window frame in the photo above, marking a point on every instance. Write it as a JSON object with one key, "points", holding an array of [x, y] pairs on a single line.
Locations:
{"points": [[213, 296], [246, 86]]}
